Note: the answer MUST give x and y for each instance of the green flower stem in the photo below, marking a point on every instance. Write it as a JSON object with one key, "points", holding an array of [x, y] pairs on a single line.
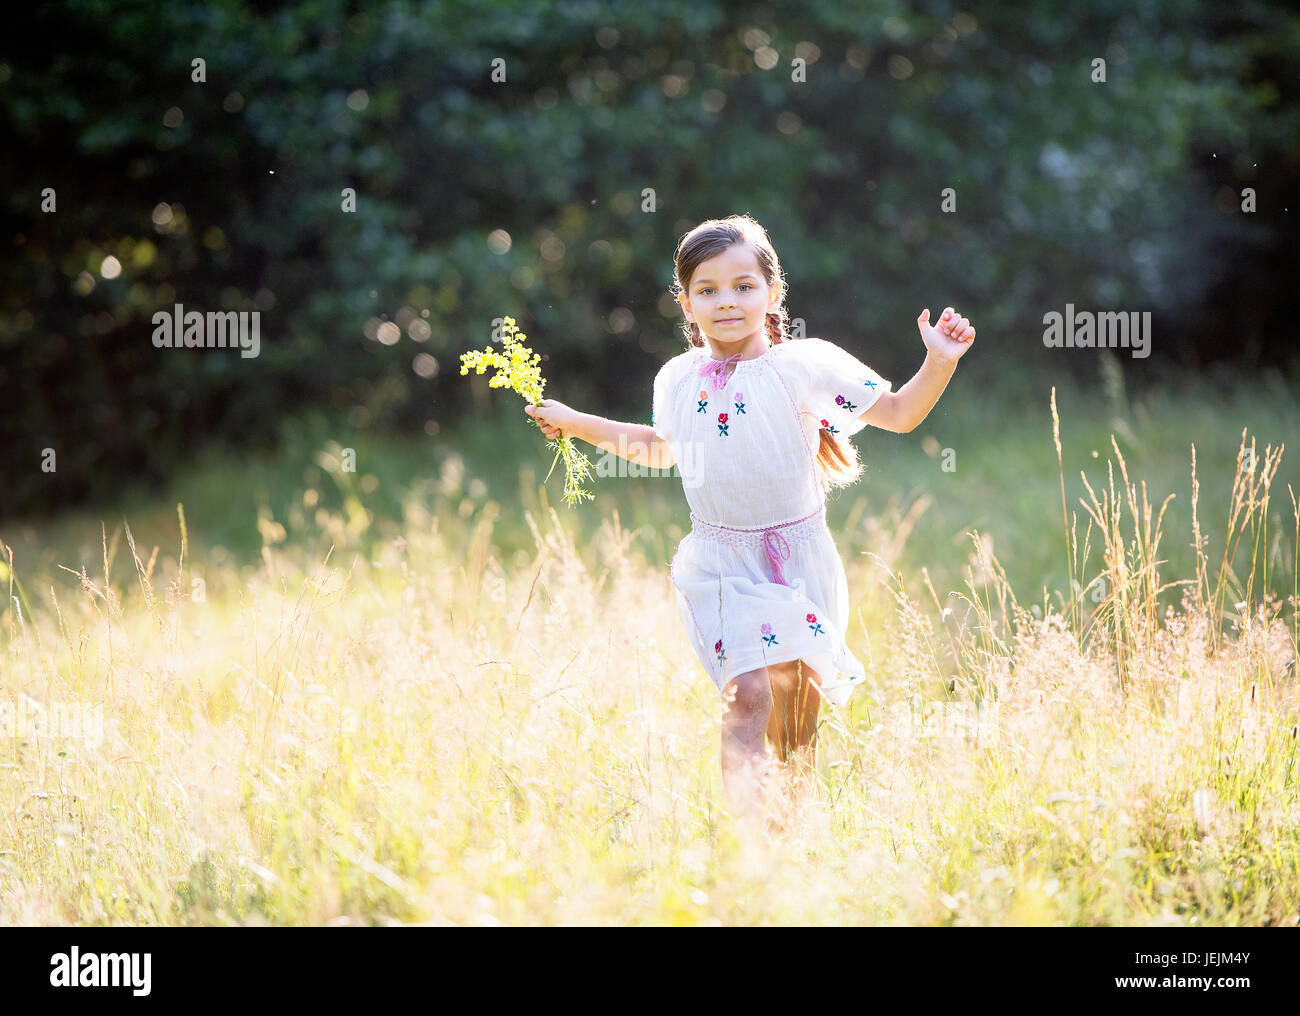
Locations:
{"points": [[577, 467]]}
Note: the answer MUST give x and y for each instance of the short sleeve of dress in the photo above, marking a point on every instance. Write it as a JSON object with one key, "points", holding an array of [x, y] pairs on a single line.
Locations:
{"points": [[659, 405], [834, 385]]}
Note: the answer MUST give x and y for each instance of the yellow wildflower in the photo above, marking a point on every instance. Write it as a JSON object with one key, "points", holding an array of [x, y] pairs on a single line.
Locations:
{"points": [[519, 368]]}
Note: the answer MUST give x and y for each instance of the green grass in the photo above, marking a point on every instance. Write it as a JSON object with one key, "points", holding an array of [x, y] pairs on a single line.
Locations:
{"points": [[1005, 484], [428, 697]]}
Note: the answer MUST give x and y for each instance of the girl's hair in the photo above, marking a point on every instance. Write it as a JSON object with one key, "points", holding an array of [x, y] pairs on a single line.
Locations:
{"points": [[838, 459]]}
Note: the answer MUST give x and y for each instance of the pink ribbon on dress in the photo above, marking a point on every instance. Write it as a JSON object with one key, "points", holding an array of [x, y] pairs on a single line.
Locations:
{"points": [[770, 539], [718, 367]]}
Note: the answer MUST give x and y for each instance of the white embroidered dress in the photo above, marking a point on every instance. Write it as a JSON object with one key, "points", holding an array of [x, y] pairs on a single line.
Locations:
{"points": [[759, 580]]}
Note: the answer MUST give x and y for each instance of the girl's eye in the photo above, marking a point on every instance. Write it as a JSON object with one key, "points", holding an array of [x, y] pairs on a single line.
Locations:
{"points": [[709, 289]]}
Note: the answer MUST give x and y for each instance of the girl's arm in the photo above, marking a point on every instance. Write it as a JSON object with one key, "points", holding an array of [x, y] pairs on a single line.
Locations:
{"points": [[902, 411], [636, 442]]}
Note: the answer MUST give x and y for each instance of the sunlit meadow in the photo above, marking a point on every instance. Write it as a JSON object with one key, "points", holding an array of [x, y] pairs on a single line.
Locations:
{"points": [[437, 732]]}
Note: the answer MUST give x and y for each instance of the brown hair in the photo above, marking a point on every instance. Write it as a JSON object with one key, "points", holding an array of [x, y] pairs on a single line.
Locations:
{"points": [[838, 459]]}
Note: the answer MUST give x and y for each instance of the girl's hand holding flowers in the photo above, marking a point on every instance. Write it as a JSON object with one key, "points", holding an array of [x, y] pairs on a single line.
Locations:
{"points": [[518, 368], [950, 339], [552, 416]]}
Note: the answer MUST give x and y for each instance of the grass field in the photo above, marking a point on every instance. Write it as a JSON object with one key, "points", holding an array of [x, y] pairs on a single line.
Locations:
{"points": [[419, 693]]}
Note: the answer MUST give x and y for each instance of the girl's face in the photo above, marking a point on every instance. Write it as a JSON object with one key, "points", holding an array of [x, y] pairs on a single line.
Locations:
{"points": [[728, 299]]}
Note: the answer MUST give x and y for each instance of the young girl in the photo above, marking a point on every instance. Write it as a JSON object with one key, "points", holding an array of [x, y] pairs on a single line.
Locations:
{"points": [[758, 423]]}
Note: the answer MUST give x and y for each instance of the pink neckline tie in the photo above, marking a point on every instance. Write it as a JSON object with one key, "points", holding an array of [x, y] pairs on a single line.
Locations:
{"points": [[718, 367], [770, 540]]}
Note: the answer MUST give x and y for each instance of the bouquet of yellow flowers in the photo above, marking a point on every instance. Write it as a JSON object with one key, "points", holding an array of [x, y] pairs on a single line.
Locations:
{"points": [[518, 368]]}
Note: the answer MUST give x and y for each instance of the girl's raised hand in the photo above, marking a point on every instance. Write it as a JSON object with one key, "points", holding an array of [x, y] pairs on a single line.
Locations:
{"points": [[950, 338], [554, 417]]}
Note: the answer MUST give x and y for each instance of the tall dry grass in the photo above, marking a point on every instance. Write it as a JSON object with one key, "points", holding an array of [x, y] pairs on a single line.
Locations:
{"points": [[432, 735]]}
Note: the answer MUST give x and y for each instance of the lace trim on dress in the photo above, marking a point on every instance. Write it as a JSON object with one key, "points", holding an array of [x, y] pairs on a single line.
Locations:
{"points": [[793, 532]]}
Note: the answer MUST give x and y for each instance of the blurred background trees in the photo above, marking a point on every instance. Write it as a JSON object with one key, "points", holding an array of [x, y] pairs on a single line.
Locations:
{"points": [[477, 198]]}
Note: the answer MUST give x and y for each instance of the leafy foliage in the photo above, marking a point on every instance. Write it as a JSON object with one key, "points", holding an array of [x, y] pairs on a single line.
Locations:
{"points": [[473, 194]]}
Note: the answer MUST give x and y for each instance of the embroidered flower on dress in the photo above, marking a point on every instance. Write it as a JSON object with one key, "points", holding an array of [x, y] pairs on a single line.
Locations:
{"points": [[703, 402], [768, 637], [722, 424], [826, 426], [740, 403], [840, 400], [717, 648], [815, 625]]}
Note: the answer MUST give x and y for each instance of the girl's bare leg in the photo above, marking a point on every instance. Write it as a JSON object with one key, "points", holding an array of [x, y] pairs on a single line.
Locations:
{"points": [[792, 724], [747, 702]]}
